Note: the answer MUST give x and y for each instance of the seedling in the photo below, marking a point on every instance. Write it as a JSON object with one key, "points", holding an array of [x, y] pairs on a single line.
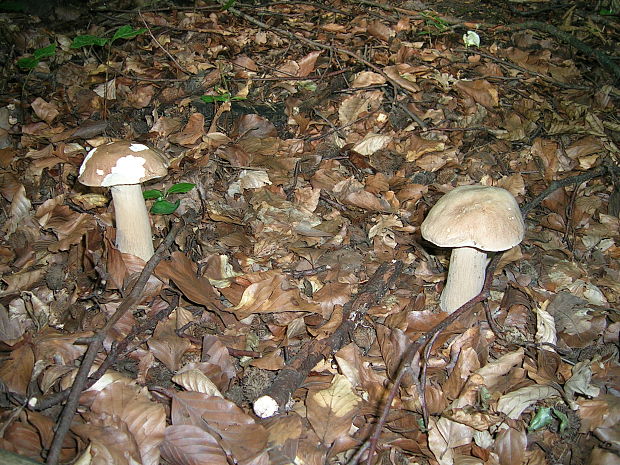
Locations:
{"points": [[31, 63], [544, 417], [225, 97], [161, 206], [123, 32]]}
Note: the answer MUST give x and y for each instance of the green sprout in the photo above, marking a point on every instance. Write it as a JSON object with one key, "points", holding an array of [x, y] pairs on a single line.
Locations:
{"points": [[225, 97], [31, 63], [161, 206], [123, 32], [544, 417]]}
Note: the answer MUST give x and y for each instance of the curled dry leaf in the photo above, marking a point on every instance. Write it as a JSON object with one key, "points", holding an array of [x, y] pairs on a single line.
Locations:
{"points": [[195, 380]]}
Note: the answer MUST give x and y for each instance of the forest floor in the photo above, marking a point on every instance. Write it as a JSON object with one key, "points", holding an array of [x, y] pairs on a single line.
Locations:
{"points": [[307, 142]]}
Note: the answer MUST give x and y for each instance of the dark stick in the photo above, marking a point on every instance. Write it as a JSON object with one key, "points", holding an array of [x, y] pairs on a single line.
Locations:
{"points": [[555, 185], [423, 339], [292, 376], [64, 424]]}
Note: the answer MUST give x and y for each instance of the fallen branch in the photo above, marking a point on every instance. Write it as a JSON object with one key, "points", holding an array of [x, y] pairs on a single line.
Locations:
{"points": [[132, 299], [291, 377], [604, 60]]}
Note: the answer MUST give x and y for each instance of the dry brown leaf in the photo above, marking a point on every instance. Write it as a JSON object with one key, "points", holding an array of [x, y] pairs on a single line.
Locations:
{"points": [[481, 90], [15, 373], [281, 428], [515, 402], [307, 63], [191, 445], [44, 110], [11, 329], [268, 296], [372, 143], [167, 346], [237, 432], [331, 411], [217, 363], [183, 273], [510, 446], [444, 435], [142, 418], [368, 78], [192, 132], [380, 31], [493, 372]]}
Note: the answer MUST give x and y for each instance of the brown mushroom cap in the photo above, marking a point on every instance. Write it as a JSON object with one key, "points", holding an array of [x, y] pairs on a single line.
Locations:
{"points": [[486, 218], [122, 162]]}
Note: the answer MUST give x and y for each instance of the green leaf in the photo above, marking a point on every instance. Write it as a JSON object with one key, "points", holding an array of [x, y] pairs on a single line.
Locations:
{"points": [[28, 63], [45, 52], [88, 40], [153, 194], [181, 188], [228, 4], [220, 98], [215, 98], [163, 207], [564, 422], [542, 418], [127, 32]]}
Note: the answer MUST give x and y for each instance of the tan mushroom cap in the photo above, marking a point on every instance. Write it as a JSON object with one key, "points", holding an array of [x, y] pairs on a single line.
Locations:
{"points": [[122, 162], [486, 218]]}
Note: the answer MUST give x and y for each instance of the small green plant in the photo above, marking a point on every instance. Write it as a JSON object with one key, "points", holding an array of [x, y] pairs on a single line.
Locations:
{"points": [[225, 97], [30, 63], [544, 417], [161, 206], [123, 32], [434, 21]]}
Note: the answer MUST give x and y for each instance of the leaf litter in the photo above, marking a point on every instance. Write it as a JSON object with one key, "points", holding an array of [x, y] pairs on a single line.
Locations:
{"points": [[318, 137]]}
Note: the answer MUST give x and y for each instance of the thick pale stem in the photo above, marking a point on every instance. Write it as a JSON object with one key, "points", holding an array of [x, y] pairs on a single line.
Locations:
{"points": [[465, 277], [133, 229]]}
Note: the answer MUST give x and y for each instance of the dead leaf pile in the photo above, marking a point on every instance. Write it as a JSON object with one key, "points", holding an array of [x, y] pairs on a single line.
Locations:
{"points": [[318, 137]]}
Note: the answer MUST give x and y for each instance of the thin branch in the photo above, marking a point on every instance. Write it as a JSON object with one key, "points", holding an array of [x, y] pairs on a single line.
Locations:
{"points": [[292, 376], [425, 338], [176, 63], [132, 299]]}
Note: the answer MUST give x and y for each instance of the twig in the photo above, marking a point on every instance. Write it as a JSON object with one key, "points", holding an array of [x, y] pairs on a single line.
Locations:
{"points": [[313, 44], [557, 184], [429, 337], [93, 349], [121, 347], [421, 341], [292, 376], [509, 64], [176, 63], [604, 60]]}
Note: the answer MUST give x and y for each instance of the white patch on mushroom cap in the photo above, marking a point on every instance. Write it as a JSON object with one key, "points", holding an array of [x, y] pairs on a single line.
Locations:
{"points": [[99, 172], [138, 147], [128, 170], [86, 158]]}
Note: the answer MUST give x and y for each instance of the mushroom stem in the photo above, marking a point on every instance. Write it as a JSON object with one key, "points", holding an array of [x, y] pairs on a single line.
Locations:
{"points": [[133, 227], [465, 277]]}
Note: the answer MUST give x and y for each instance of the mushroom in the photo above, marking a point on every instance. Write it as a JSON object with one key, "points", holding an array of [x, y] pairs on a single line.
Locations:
{"points": [[474, 220], [122, 166]]}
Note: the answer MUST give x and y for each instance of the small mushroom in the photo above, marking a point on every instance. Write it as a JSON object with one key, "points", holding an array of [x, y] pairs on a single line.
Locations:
{"points": [[473, 220], [122, 166]]}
